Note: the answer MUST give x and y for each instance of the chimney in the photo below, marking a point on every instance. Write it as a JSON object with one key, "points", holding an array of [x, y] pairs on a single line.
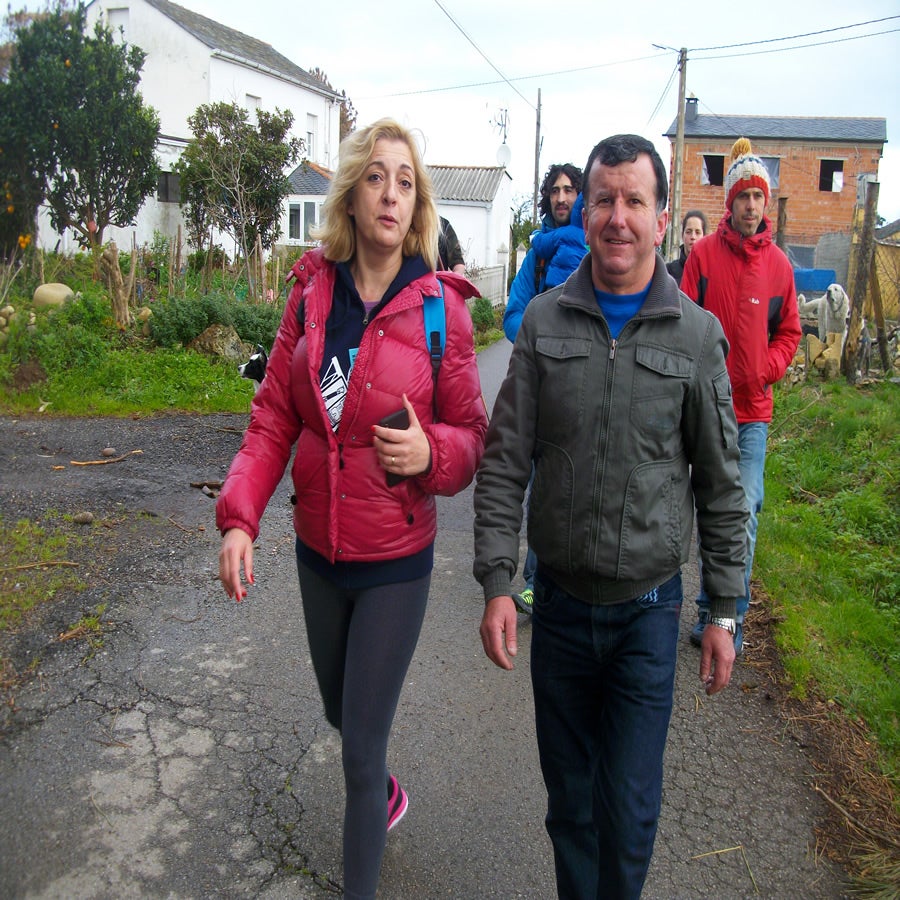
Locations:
{"points": [[690, 109]]}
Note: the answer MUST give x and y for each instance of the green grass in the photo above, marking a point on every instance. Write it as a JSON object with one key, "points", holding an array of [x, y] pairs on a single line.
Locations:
{"points": [[36, 565], [828, 553], [121, 382]]}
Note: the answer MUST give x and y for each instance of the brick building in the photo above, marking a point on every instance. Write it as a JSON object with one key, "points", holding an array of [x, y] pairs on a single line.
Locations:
{"points": [[813, 164]]}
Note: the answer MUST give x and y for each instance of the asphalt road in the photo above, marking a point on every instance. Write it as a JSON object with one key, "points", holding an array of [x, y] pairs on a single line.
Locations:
{"points": [[189, 756]]}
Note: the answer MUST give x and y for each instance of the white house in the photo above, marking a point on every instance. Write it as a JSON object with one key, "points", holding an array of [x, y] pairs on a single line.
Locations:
{"points": [[309, 185], [477, 201], [192, 60]]}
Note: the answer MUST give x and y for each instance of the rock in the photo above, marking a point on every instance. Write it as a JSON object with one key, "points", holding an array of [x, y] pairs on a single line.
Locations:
{"points": [[52, 295], [108, 452], [815, 348], [220, 340], [83, 518], [832, 368]]}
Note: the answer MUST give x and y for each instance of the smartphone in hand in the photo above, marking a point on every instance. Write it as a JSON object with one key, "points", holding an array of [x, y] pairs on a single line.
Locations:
{"points": [[399, 419]]}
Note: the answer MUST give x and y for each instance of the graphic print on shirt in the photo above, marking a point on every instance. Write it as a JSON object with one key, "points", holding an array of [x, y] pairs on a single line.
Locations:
{"points": [[334, 388]]}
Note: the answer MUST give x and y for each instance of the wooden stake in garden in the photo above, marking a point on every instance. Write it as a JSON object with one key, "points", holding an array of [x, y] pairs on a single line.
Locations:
{"points": [[864, 252]]}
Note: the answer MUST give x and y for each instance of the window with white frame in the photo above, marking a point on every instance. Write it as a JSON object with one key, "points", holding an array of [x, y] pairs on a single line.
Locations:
{"points": [[309, 220], [295, 222], [252, 102], [312, 132], [301, 218], [117, 17]]}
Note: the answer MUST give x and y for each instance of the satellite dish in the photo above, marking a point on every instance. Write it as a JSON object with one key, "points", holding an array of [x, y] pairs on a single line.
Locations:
{"points": [[504, 155]]}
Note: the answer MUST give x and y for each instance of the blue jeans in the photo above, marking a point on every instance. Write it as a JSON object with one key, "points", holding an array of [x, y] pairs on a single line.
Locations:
{"points": [[603, 679], [752, 438]]}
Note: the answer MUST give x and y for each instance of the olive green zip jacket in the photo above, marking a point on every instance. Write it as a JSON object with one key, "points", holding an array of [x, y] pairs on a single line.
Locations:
{"points": [[627, 438]]}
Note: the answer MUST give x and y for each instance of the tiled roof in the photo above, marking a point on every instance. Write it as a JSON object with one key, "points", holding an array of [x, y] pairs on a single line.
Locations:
{"points": [[236, 44], [477, 184], [889, 231], [812, 128], [308, 178]]}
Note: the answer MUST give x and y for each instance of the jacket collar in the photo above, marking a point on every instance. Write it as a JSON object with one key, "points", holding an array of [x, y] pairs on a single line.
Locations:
{"points": [[741, 244], [663, 298]]}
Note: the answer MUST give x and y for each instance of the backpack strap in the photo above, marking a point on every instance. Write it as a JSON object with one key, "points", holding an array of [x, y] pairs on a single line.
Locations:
{"points": [[435, 333]]}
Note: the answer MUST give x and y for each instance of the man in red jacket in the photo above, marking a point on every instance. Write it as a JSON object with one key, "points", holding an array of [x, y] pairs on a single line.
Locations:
{"points": [[741, 277]]}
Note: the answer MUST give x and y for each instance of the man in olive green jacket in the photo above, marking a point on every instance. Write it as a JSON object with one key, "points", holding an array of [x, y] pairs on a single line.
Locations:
{"points": [[617, 393]]}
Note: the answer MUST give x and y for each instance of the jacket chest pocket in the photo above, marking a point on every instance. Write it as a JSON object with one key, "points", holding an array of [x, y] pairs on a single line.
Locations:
{"points": [[563, 372], [661, 378]]}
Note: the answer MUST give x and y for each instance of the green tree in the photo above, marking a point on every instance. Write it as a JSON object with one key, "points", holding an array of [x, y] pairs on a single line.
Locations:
{"points": [[39, 41], [74, 129], [233, 174]]}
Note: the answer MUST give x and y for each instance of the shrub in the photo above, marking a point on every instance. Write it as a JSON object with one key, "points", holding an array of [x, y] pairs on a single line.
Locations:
{"points": [[197, 259], [179, 320], [483, 314]]}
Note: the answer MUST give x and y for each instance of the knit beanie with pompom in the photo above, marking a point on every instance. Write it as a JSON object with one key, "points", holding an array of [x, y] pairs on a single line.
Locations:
{"points": [[746, 171]]}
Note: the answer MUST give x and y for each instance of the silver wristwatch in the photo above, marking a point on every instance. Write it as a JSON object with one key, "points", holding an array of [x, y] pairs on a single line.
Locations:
{"points": [[728, 624]]}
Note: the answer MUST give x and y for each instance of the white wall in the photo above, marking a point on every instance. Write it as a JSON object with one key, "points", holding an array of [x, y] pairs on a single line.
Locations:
{"points": [[180, 74], [483, 228]]}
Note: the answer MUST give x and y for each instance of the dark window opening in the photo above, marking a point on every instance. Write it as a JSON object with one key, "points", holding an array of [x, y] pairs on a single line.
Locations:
{"points": [[168, 188], [831, 175], [713, 169], [294, 222]]}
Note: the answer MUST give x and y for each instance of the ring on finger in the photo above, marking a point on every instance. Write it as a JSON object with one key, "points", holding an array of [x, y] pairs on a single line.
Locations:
{"points": [[393, 460]]}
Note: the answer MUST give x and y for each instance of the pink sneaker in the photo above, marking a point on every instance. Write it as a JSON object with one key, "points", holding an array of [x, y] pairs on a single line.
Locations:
{"points": [[398, 802]]}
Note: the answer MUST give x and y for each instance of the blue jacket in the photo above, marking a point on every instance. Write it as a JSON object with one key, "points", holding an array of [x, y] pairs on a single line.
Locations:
{"points": [[545, 244], [522, 289], [563, 247]]}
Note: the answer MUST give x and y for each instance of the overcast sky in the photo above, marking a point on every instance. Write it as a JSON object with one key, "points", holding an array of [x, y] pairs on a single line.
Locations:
{"points": [[433, 64], [439, 66]]}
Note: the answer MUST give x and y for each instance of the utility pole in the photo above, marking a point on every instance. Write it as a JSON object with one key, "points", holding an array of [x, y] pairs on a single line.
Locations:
{"points": [[537, 161], [675, 221]]}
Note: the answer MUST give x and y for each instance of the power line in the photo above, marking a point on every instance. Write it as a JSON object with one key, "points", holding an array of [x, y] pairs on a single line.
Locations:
{"points": [[476, 84], [664, 94], [580, 69], [795, 46], [484, 56], [795, 37]]}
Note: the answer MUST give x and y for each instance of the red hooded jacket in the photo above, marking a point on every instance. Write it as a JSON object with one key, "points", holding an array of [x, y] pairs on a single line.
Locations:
{"points": [[747, 283], [344, 509]]}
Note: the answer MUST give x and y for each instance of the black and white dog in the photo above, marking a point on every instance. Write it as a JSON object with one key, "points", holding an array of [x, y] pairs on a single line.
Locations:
{"points": [[255, 367]]}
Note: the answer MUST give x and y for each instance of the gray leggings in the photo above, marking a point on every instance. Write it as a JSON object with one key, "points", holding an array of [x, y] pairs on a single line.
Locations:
{"points": [[361, 642]]}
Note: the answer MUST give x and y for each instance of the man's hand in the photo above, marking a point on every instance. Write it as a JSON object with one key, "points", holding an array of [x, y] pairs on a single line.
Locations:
{"points": [[716, 658], [498, 631]]}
